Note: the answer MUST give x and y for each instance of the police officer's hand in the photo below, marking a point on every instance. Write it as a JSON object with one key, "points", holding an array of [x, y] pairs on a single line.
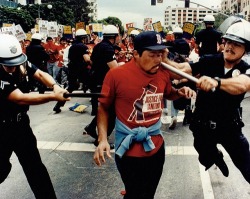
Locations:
{"points": [[59, 91], [102, 147], [207, 83], [186, 92]]}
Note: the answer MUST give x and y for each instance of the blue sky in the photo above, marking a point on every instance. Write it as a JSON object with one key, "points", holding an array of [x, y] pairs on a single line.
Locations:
{"points": [[136, 10]]}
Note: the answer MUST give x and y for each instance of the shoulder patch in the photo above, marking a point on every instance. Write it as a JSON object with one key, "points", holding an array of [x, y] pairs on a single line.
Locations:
{"points": [[29, 64], [247, 72], [3, 83]]}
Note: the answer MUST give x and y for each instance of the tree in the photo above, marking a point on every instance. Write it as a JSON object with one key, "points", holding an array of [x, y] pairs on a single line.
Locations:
{"points": [[13, 15], [79, 9], [59, 12], [113, 21], [66, 12]]}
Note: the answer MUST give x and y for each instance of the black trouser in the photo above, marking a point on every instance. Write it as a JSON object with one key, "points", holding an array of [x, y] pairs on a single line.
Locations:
{"points": [[94, 100], [111, 121], [230, 137], [141, 175], [18, 137]]}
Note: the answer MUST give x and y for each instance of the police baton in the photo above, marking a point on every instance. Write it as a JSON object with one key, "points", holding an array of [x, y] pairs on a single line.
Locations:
{"points": [[181, 73], [65, 95]]}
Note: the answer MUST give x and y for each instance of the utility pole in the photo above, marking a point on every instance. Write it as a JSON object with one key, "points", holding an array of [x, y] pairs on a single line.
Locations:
{"points": [[188, 1]]}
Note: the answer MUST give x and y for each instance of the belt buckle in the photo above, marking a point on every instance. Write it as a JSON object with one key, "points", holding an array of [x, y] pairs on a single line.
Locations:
{"points": [[212, 125], [18, 117]]}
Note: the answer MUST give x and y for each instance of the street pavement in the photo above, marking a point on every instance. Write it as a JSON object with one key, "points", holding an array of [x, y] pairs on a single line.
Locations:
{"points": [[68, 156]]}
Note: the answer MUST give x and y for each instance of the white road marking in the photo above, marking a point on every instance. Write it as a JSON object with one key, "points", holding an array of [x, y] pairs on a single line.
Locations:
{"points": [[170, 150], [89, 147], [206, 183]]}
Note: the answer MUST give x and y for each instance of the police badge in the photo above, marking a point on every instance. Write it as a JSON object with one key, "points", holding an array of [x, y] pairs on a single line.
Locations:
{"points": [[235, 73]]}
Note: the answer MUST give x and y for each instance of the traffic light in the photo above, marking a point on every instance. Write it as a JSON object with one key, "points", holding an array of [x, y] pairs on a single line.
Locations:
{"points": [[153, 2], [187, 2]]}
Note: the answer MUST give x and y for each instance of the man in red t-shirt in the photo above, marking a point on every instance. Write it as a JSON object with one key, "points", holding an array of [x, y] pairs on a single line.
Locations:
{"points": [[137, 89], [52, 64]]}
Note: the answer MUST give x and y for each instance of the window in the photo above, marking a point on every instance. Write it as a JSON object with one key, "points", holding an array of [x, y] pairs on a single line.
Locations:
{"points": [[30, 1]]}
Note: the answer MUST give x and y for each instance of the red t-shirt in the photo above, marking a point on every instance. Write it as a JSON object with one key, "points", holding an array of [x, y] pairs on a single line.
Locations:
{"points": [[52, 50], [60, 49], [138, 99]]}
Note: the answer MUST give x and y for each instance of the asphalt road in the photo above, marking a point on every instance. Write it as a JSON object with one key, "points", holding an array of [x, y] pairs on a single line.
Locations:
{"points": [[68, 156]]}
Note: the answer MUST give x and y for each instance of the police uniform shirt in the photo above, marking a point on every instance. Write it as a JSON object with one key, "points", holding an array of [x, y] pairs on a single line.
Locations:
{"points": [[208, 39], [10, 82], [214, 105], [181, 47], [37, 55], [102, 53], [76, 52]]}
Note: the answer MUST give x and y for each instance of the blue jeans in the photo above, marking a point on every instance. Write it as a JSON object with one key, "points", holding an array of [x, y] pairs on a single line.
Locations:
{"points": [[174, 112], [53, 69]]}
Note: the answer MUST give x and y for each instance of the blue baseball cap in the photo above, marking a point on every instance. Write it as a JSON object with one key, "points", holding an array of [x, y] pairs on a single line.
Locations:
{"points": [[149, 40]]}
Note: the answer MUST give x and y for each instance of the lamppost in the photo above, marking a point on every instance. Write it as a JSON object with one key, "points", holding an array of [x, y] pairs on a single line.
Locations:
{"points": [[49, 6]]}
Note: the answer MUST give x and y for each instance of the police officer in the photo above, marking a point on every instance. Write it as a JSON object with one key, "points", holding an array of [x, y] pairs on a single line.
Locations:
{"points": [[79, 60], [207, 40], [103, 59], [133, 34], [226, 72], [37, 55], [15, 132]]}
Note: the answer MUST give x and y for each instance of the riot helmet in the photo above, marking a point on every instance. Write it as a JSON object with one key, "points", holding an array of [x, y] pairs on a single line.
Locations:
{"points": [[134, 33], [239, 32], [178, 32], [209, 19], [11, 51], [110, 31], [37, 36], [81, 32]]}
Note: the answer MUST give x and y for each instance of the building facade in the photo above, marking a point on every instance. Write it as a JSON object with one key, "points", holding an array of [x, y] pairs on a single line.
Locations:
{"points": [[9, 3], [177, 16], [236, 7]]}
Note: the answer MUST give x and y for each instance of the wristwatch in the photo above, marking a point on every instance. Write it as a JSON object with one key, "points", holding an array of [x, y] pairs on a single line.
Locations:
{"points": [[219, 82]]}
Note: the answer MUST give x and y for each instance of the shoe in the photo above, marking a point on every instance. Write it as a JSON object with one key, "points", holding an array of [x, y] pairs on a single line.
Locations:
{"points": [[186, 121], [173, 123], [91, 132], [164, 119], [219, 162], [165, 111], [57, 109], [93, 112]]}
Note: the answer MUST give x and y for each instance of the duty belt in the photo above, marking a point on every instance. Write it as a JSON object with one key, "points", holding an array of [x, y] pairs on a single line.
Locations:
{"points": [[15, 118], [211, 124]]}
